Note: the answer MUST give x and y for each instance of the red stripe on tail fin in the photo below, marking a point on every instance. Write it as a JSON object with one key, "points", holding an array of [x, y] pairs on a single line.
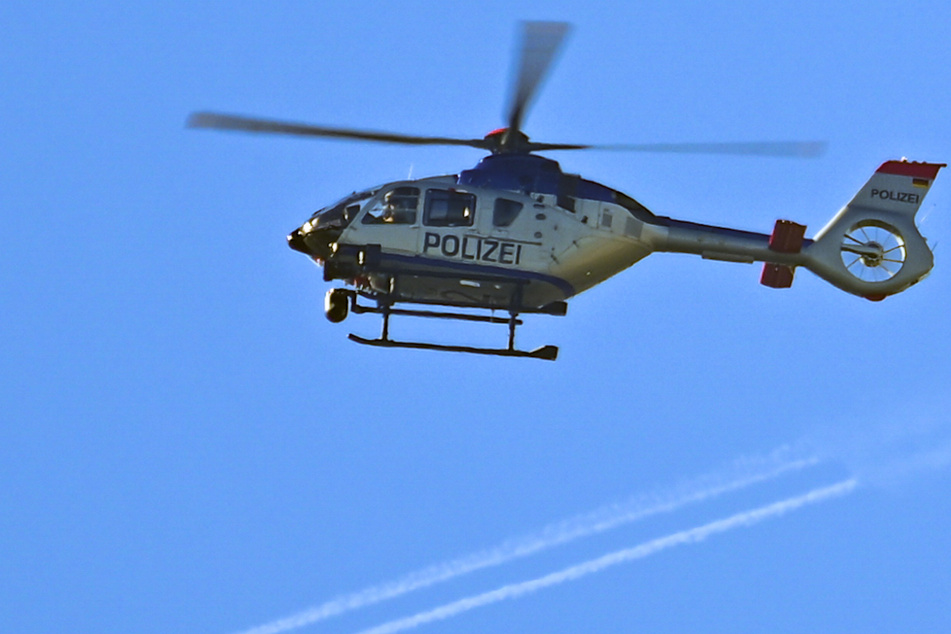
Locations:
{"points": [[917, 170]]}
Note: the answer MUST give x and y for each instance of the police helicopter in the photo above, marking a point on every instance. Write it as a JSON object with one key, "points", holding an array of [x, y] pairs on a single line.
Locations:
{"points": [[515, 234]]}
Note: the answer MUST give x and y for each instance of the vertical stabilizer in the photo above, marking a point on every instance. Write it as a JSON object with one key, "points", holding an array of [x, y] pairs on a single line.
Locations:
{"points": [[872, 247]]}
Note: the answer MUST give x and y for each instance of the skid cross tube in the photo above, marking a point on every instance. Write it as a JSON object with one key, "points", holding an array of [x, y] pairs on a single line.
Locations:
{"points": [[433, 314], [385, 308]]}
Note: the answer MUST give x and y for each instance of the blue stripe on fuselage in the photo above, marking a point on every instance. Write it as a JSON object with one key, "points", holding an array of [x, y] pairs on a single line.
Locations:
{"points": [[480, 269]]}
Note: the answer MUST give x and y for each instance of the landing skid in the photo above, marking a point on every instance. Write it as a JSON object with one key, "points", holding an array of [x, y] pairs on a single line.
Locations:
{"points": [[548, 353]]}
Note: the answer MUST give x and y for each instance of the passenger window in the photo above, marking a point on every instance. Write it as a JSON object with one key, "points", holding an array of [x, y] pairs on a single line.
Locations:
{"points": [[398, 207], [505, 212], [446, 208]]}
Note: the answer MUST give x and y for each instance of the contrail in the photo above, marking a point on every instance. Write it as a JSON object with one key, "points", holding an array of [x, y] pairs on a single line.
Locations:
{"points": [[743, 473], [690, 536]]}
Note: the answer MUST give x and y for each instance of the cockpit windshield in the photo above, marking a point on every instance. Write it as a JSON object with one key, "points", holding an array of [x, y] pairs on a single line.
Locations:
{"points": [[341, 213]]}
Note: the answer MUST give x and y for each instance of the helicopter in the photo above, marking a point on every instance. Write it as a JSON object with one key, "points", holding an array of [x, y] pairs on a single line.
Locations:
{"points": [[515, 234]]}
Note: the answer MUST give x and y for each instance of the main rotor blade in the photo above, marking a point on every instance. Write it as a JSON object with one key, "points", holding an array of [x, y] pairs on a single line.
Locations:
{"points": [[796, 149], [249, 124], [540, 42]]}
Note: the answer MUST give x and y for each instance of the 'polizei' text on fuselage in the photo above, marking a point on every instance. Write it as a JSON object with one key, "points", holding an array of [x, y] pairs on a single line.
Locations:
{"points": [[473, 248]]}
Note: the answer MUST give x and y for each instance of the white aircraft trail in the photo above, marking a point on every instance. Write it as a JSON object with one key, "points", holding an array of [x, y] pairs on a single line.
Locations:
{"points": [[743, 474], [690, 536]]}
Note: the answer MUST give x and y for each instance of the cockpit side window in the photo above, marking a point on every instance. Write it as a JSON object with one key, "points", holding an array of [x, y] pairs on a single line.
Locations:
{"points": [[397, 207], [448, 208], [505, 212]]}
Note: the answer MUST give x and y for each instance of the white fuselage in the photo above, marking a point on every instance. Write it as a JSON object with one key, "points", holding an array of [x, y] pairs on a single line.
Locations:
{"points": [[558, 252]]}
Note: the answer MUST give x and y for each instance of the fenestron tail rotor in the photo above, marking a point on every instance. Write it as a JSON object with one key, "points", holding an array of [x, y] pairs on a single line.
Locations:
{"points": [[873, 251], [540, 43]]}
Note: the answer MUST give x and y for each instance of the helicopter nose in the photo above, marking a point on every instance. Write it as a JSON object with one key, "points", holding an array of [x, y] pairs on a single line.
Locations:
{"points": [[295, 240], [314, 242]]}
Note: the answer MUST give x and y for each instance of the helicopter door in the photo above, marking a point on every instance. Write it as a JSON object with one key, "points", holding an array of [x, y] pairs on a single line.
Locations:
{"points": [[507, 228], [449, 230], [391, 220]]}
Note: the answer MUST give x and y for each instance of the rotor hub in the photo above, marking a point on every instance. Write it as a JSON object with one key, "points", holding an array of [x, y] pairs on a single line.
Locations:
{"points": [[507, 141], [875, 256]]}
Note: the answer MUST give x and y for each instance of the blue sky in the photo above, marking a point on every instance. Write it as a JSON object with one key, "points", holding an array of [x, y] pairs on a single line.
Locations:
{"points": [[188, 445]]}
